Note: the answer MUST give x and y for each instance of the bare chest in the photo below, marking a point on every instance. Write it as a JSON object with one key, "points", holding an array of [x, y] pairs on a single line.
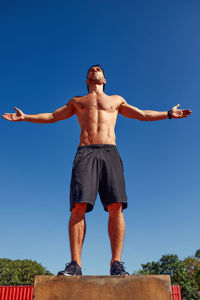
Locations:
{"points": [[88, 104]]}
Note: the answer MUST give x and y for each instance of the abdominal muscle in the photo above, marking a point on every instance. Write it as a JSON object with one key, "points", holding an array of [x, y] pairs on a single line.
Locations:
{"points": [[97, 127]]}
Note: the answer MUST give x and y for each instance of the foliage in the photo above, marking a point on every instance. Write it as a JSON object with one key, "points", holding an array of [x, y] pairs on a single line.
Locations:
{"points": [[197, 254], [192, 265], [20, 272], [185, 273]]}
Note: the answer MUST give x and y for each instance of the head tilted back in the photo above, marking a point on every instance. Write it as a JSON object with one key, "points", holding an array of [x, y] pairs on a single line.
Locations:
{"points": [[102, 72]]}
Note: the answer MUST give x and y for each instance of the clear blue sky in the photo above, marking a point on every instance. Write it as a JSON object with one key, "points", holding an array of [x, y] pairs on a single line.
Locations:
{"points": [[150, 54]]}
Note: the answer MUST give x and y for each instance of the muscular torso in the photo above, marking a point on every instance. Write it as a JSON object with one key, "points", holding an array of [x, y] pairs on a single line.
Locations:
{"points": [[97, 115]]}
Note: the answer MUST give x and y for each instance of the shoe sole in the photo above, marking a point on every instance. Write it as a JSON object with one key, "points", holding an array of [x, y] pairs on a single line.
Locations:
{"points": [[69, 275], [119, 274]]}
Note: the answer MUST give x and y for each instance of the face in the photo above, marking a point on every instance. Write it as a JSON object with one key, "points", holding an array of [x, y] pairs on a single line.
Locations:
{"points": [[95, 75]]}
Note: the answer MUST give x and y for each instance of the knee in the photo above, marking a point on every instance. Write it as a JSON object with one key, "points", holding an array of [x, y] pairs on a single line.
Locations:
{"points": [[79, 209], [114, 208]]}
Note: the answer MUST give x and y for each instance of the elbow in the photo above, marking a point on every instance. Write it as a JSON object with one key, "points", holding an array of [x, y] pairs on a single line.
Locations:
{"points": [[142, 116], [52, 118], [141, 119], [146, 116]]}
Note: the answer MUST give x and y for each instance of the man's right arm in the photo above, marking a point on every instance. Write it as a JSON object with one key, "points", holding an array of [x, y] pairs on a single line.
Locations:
{"points": [[62, 113]]}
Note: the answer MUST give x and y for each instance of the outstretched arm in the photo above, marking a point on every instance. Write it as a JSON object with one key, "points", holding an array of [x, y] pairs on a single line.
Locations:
{"points": [[62, 113], [132, 112]]}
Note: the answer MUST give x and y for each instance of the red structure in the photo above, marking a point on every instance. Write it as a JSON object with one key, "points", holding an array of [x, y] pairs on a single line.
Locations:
{"points": [[16, 292], [176, 292], [26, 292]]}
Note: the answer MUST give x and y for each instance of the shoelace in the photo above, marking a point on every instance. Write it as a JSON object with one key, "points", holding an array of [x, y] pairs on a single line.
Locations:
{"points": [[122, 266], [69, 264]]}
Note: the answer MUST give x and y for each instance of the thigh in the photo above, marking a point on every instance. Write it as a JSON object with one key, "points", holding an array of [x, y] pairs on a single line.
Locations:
{"points": [[112, 183], [84, 180]]}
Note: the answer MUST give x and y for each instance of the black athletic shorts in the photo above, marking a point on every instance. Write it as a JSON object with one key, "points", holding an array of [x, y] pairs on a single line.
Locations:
{"points": [[97, 168]]}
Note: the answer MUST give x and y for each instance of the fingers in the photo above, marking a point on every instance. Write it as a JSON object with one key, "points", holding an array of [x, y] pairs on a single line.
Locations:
{"points": [[180, 113], [17, 109], [17, 116], [175, 107], [186, 112], [7, 116]]}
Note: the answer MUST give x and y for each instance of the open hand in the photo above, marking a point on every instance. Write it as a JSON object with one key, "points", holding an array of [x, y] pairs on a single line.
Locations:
{"points": [[18, 116], [180, 113]]}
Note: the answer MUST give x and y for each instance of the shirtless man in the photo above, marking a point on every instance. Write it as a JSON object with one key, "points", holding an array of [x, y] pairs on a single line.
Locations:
{"points": [[97, 165]]}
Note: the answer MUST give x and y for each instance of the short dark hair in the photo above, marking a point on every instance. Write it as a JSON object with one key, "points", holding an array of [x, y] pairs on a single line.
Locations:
{"points": [[102, 72]]}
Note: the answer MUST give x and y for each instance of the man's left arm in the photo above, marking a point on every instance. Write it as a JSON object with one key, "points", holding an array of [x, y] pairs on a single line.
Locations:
{"points": [[132, 112]]}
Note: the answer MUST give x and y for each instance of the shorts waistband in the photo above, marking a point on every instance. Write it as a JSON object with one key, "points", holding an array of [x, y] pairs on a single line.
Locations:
{"points": [[98, 146]]}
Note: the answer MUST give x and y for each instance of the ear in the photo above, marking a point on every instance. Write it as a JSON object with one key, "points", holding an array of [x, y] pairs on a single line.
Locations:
{"points": [[87, 81], [104, 81]]}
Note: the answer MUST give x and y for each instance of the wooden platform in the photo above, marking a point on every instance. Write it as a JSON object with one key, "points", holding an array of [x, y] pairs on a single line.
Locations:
{"points": [[143, 287]]}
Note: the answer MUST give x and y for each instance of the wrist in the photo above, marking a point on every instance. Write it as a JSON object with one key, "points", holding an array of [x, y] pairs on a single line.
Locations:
{"points": [[169, 114], [25, 117]]}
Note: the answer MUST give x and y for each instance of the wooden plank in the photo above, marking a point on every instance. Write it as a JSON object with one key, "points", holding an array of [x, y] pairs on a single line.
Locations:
{"points": [[142, 287]]}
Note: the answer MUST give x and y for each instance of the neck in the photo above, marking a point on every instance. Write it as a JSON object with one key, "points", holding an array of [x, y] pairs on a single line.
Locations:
{"points": [[96, 88]]}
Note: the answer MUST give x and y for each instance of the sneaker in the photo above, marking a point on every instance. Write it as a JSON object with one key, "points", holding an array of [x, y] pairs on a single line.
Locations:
{"points": [[71, 269], [118, 268]]}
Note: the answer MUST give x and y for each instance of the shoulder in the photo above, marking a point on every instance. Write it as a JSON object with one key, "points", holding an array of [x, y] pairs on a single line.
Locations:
{"points": [[73, 100], [120, 100]]}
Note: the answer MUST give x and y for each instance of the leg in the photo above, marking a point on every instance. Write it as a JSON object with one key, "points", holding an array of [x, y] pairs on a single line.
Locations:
{"points": [[77, 229], [116, 230]]}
